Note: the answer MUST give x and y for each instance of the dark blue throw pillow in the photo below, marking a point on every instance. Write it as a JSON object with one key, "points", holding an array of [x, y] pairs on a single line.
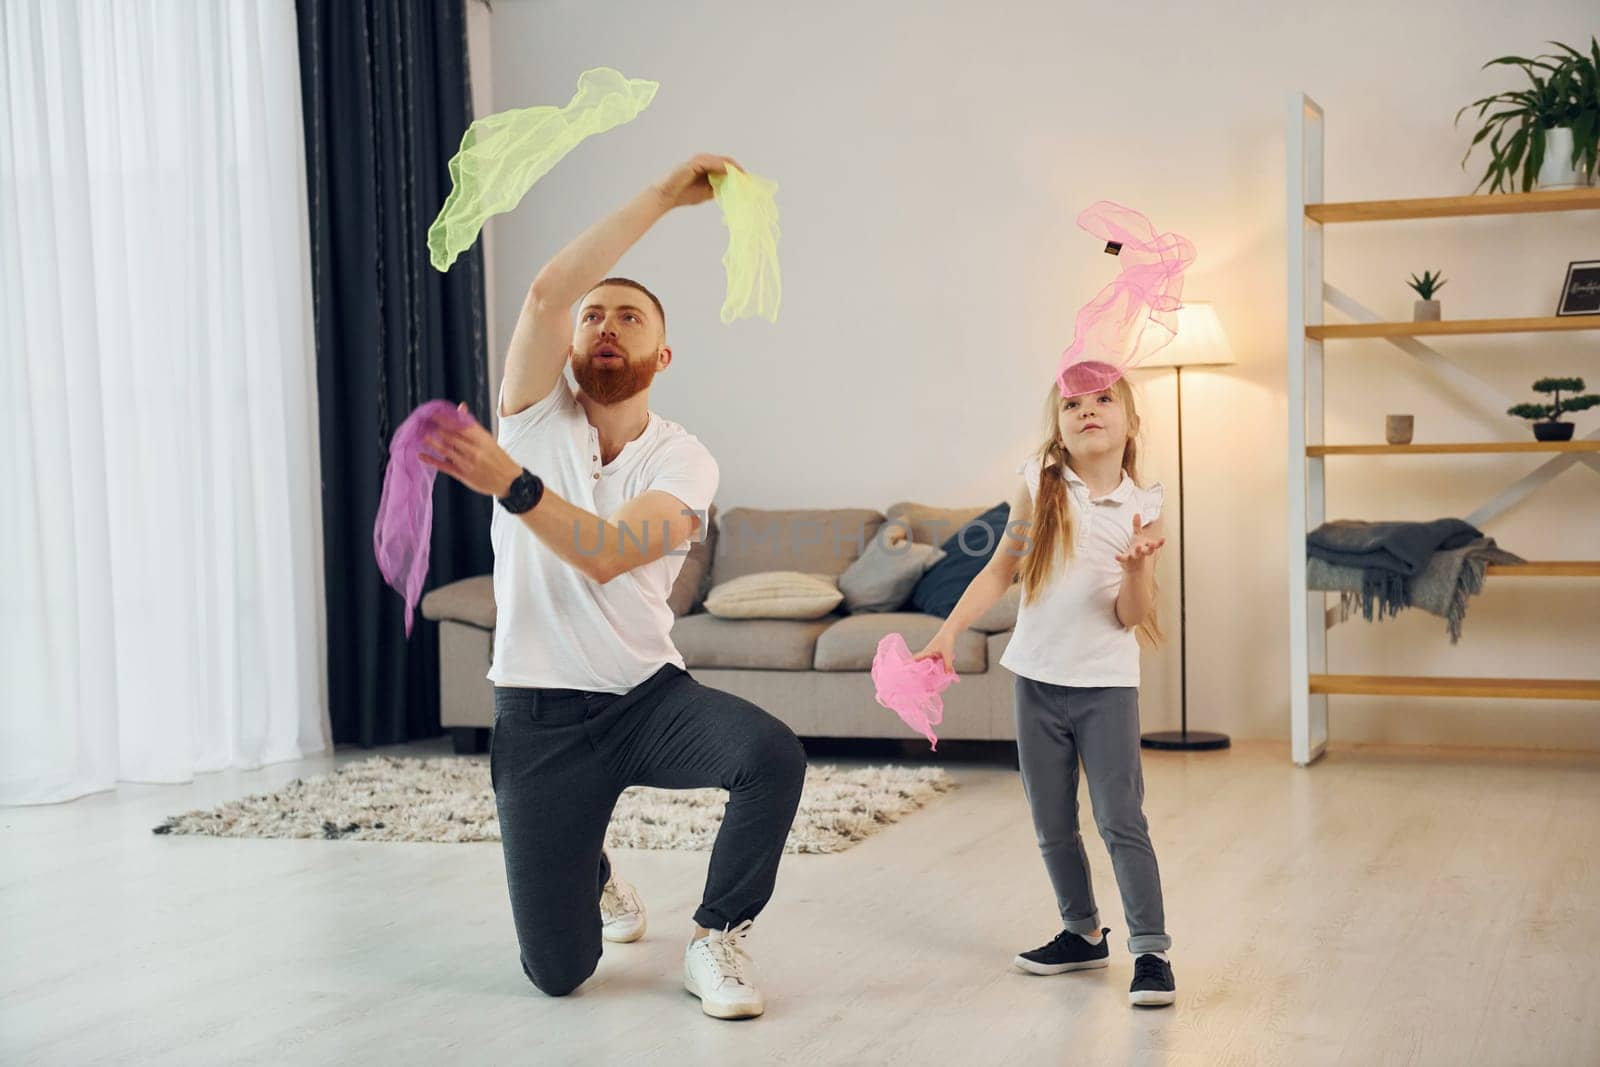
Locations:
{"points": [[967, 550]]}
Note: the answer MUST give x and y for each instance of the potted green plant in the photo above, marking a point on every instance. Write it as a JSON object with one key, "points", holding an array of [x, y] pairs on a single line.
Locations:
{"points": [[1547, 424], [1426, 309], [1546, 133]]}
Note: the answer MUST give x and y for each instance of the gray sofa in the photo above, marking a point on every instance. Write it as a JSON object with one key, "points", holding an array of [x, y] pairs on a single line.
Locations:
{"points": [[814, 675]]}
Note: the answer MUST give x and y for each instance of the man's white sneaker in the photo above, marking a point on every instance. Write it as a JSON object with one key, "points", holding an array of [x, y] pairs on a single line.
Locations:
{"points": [[716, 969], [621, 912]]}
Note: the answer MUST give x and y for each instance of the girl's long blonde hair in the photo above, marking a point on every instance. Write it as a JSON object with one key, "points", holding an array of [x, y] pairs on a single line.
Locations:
{"points": [[1051, 534]]}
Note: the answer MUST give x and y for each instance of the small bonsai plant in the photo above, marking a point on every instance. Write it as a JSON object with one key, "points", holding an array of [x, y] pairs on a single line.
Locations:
{"points": [[1563, 93], [1428, 284], [1427, 309], [1546, 418]]}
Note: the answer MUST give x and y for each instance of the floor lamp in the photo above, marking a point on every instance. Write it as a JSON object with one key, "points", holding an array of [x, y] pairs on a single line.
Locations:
{"points": [[1200, 343]]}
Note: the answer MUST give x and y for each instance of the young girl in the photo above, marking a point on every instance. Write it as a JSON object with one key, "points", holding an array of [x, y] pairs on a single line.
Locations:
{"points": [[1083, 533]]}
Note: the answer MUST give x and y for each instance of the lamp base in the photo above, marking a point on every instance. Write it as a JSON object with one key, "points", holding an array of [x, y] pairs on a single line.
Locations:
{"points": [[1185, 740]]}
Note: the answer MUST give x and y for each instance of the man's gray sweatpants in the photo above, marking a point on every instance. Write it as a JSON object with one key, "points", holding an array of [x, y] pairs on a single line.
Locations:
{"points": [[559, 760], [1057, 726]]}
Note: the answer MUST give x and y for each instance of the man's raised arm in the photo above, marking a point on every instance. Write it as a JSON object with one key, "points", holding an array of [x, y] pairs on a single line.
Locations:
{"points": [[539, 345]]}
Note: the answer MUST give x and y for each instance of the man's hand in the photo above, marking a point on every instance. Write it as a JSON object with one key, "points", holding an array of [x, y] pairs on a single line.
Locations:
{"points": [[690, 183], [1143, 549], [472, 457]]}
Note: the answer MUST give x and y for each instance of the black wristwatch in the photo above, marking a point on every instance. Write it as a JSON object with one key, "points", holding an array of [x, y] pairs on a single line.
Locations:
{"points": [[524, 493]]}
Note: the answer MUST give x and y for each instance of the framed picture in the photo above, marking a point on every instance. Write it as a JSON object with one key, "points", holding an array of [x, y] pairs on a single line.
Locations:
{"points": [[1581, 294]]}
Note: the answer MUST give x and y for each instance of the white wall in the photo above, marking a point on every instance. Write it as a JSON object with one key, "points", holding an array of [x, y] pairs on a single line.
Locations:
{"points": [[480, 62], [931, 158]]}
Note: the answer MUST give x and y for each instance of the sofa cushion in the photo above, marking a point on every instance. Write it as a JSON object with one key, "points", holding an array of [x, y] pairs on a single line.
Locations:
{"points": [[968, 549], [471, 600], [808, 540], [757, 644], [1003, 615], [775, 595], [882, 579], [689, 589], [850, 644], [930, 525]]}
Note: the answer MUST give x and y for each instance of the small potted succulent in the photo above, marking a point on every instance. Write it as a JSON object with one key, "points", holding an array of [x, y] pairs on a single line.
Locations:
{"points": [[1546, 418], [1546, 135], [1426, 309]]}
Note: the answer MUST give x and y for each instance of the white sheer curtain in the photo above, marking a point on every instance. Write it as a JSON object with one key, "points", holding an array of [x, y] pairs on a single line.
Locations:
{"points": [[161, 590]]}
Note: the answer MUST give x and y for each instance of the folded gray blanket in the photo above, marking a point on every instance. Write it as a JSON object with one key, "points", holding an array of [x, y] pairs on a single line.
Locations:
{"points": [[1389, 554], [1446, 581], [1402, 547]]}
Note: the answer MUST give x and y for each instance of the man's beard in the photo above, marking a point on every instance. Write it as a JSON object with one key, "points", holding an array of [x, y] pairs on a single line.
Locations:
{"points": [[613, 384]]}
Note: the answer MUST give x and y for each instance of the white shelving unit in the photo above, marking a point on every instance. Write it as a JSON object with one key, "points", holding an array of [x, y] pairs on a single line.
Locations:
{"points": [[1311, 683]]}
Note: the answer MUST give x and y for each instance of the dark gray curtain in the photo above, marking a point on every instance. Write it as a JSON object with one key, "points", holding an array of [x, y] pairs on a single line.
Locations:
{"points": [[387, 98]]}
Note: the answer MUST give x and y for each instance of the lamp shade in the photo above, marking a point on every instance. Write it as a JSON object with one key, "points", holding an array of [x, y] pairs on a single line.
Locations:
{"points": [[1200, 340]]}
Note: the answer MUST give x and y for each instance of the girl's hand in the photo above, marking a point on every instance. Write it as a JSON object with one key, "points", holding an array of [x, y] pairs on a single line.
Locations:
{"points": [[1143, 548], [942, 648]]}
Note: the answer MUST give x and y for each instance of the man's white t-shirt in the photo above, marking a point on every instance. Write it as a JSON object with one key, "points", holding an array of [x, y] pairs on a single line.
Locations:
{"points": [[554, 627], [1070, 634]]}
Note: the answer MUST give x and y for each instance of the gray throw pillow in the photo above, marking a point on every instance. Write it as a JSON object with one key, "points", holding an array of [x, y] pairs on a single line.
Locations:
{"points": [[694, 580], [883, 578]]}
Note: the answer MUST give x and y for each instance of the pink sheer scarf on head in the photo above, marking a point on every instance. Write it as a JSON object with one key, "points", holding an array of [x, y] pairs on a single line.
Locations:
{"points": [[405, 510], [910, 687], [1137, 313]]}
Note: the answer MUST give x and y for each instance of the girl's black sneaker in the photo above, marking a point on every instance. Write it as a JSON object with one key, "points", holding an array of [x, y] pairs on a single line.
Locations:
{"points": [[1152, 983], [1066, 952]]}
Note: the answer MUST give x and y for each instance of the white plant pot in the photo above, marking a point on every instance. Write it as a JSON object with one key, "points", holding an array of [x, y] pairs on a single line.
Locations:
{"points": [[1556, 170], [1425, 311]]}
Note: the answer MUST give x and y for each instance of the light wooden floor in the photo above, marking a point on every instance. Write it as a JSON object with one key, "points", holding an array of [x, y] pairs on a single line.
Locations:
{"points": [[1436, 907]]}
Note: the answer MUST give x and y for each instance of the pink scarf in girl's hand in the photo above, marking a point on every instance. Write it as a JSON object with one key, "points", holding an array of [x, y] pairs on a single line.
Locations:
{"points": [[1134, 316], [405, 510], [910, 687]]}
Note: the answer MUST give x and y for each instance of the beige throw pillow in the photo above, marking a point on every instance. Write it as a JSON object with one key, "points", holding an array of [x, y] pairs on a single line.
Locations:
{"points": [[775, 595]]}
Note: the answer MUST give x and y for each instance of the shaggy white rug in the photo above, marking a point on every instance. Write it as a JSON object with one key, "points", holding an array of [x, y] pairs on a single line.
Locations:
{"points": [[448, 799]]}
